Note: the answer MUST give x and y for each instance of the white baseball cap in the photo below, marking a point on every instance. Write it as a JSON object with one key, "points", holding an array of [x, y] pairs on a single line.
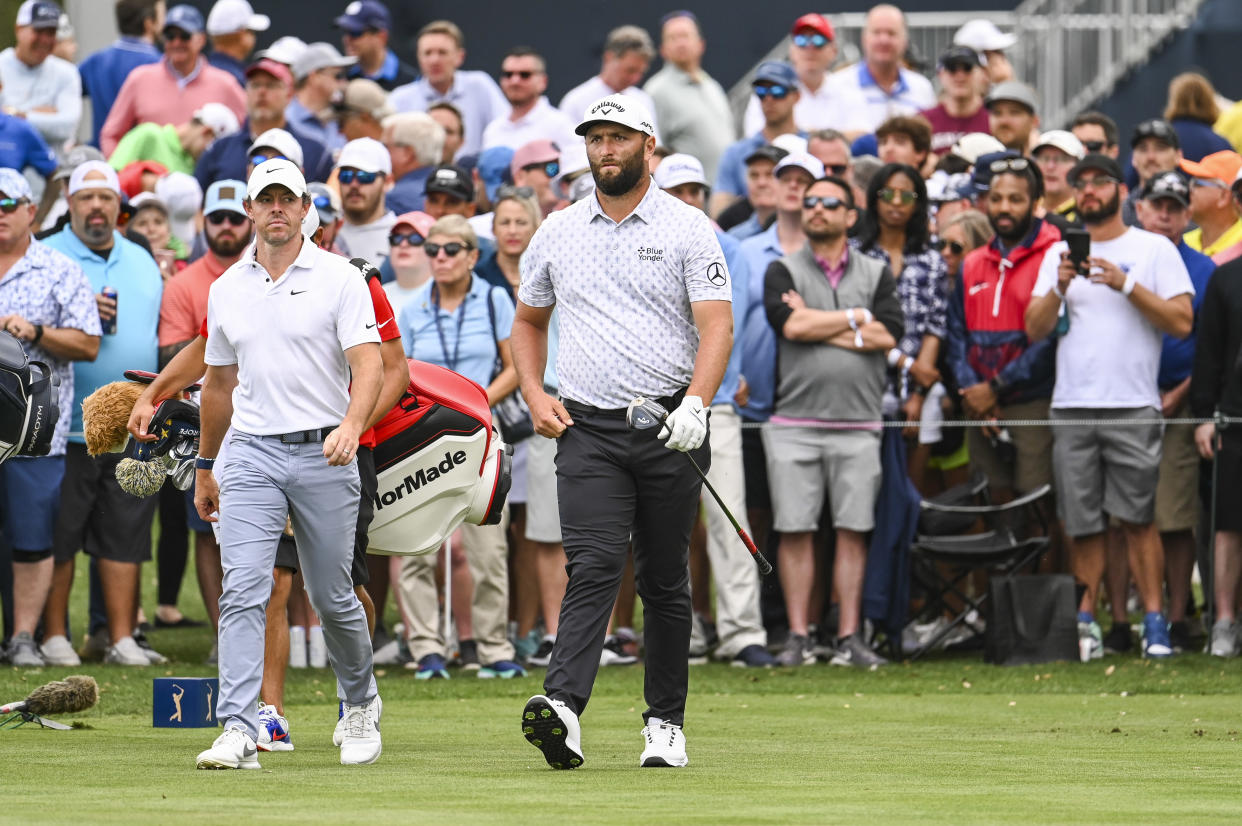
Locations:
{"points": [[310, 223], [228, 16], [626, 110], [282, 142], [790, 142], [969, 147], [183, 196], [318, 56], [218, 118], [802, 160], [366, 155], [1060, 139], [279, 172], [106, 179], [680, 168], [983, 36], [285, 50]]}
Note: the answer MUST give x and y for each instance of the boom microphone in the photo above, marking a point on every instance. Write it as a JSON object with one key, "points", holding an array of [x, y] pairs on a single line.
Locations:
{"points": [[67, 696]]}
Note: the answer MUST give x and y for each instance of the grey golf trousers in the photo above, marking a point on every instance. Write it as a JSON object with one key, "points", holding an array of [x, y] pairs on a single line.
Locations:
{"points": [[261, 480]]}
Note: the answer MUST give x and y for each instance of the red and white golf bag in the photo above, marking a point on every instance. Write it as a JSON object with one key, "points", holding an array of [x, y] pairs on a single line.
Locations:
{"points": [[440, 462]]}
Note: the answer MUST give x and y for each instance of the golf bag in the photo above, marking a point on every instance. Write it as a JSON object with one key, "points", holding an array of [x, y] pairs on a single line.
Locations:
{"points": [[29, 402], [440, 462]]}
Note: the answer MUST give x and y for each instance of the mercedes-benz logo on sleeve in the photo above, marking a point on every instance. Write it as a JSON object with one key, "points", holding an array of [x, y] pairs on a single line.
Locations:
{"points": [[716, 274]]}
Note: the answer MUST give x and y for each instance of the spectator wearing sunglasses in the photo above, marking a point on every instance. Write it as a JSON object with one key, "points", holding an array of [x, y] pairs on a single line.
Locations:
{"points": [[812, 51], [1212, 204], [690, 105], [1098, 133], [407, 260], [176, 87], [960, 110], [363, 171], [537, 165], [415, 142], [628, 52], [524, 82], [441, 49], [318, 83], [776, 86], [365, 28], [327, 203], [176, 147], [269, 87], [879, 86]]}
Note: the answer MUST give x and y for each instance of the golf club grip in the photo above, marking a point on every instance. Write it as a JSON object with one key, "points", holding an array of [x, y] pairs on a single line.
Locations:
{"points": [[765, 567]]}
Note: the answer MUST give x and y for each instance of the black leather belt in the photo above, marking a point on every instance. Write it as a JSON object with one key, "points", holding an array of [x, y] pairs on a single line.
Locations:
{"points": [[304, 436], [669, 403]]}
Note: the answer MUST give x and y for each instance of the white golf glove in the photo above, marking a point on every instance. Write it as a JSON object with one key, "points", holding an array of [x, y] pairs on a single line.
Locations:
{"points": [[686, 427]]}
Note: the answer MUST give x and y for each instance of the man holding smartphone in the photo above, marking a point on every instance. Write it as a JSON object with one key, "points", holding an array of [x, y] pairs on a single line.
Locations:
{"points": [[1131, 289]]}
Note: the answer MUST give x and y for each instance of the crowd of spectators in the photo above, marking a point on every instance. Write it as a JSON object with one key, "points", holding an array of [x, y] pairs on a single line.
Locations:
{"points": [[899, 247]]}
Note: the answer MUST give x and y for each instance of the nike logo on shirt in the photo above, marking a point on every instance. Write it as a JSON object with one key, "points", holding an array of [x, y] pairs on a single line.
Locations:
{"points": [[385, 324], [369, 326], [296, 292]]}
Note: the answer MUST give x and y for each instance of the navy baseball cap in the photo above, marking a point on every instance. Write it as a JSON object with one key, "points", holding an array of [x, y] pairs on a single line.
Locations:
{"points": [[186, 18], [981, 177], [361, 15], [775, 71], [452, 180]]}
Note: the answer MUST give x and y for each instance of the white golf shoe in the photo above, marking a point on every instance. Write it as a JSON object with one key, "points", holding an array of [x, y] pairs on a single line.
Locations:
{"points": [[360, 737], [232, 750], [665, 745], [58, 651], [338, 735], [550, 726]]}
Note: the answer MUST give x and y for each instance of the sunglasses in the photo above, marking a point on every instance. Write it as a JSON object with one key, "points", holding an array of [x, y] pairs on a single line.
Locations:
{"points": [[510, 191], [9, 205], [451, 249], [524, 74], [954, 68], [776, 92], [1094, 146], [953, 246], [222, 217], [837, 168], [1208, 183], [255, 160], [1009, 165], [322, 202], [1103, 180], [176, 34], [827, 202], [396, 239], [802, 41], [348, 176], [551, 168], [893, 196]]}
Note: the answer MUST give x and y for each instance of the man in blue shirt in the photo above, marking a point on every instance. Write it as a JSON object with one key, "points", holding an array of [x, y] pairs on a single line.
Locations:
{"points": [[366, 24], [1163, 208], [21, 146], [95, 514], [231, 25], [414, 142], [105, 71]]}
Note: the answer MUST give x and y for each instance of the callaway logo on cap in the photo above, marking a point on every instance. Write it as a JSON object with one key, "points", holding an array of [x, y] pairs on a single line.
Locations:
{"points": [[621, 109], [605, 107]]}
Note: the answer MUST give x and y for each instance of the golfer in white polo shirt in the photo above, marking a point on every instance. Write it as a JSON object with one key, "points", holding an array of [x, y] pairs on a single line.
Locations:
{"points": [[289, 327]]}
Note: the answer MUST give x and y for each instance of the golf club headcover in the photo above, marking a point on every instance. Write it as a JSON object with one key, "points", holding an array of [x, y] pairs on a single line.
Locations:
{"points": [[142, 479], [175, 424], [686, 427]]}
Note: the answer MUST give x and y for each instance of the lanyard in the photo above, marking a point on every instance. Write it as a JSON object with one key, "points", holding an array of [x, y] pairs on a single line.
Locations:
{"points": [[451, 363]]}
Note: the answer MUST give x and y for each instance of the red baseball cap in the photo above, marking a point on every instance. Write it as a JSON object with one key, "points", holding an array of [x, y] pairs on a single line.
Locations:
{"points": [[277, 70], [814, 21]]}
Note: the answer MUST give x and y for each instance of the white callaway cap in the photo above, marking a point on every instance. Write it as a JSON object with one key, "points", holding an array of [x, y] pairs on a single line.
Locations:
{"points": [[679, 168], [104, 177], [623, 109], [277, 172]]}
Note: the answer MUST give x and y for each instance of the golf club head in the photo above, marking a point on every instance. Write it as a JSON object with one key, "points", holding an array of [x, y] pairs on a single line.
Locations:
{"points": [[644, 414]]}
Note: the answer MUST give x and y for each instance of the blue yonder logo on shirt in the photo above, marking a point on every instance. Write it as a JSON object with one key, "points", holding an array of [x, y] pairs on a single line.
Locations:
{"points": [[650, 254]]}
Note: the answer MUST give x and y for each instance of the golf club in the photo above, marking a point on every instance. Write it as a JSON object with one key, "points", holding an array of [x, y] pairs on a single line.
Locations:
{"points": [[644, 414]]}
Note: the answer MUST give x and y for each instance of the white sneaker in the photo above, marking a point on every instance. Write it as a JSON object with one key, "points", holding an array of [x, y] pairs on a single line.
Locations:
{"points": [[57, 651], [666, 745], [338, 735], [1224, 639], [297, 646], [273, 730], [316, 648], [232, 750], [361, 741], [126, 652], [387, 654], [550, 726]]}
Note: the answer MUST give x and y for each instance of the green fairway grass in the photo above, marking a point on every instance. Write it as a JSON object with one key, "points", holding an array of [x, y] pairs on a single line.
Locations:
{"points": [[947, 740]]}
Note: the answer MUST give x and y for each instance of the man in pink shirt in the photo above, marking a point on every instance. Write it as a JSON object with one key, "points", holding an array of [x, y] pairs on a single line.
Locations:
{"points": [[171, 90], [960, 111]]}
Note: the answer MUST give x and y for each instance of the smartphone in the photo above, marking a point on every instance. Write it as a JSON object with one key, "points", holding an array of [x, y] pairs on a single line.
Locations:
{"points": [[1079, 241]]}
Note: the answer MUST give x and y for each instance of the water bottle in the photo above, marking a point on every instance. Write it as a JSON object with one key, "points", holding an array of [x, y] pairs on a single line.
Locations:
{"points": [[108, 325]]}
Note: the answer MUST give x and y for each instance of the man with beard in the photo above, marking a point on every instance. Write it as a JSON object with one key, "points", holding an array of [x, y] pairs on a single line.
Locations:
{"points": [[644, 300], [364, 170], [1131, 289], [95, 514], [1001, 373], [836, 313]]}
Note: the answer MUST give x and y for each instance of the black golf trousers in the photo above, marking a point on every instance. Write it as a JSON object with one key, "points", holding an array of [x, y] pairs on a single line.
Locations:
{"points": [[614, 482]]}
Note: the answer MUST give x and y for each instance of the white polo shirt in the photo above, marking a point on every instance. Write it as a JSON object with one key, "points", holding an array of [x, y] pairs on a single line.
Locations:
{"points": [[623, 293], [868, 105], [543, 122], [288, 339]]}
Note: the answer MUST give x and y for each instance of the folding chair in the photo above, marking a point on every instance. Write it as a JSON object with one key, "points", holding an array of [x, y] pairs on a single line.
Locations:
{"points": [[950, 547]]}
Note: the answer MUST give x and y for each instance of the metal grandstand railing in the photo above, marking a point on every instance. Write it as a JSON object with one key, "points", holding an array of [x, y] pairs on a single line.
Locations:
{"points": [[1072, 51]]}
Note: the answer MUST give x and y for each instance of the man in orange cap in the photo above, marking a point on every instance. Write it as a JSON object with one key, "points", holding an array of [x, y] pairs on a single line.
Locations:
{"points": [[1211, 202]]}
